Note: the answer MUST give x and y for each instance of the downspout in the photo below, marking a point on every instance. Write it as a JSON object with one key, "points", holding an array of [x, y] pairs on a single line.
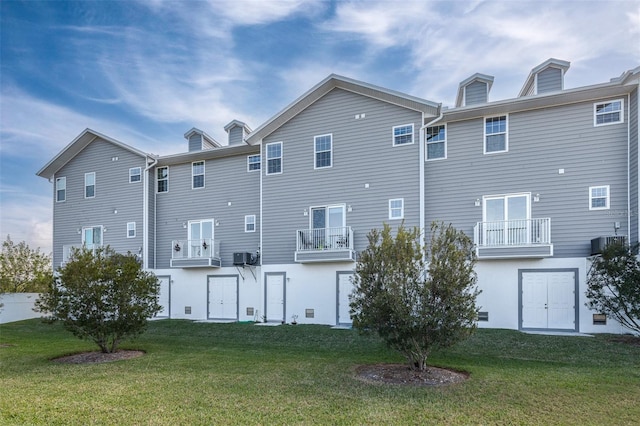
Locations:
{"points": [[145, 214], [423, 159], [628, 169]]}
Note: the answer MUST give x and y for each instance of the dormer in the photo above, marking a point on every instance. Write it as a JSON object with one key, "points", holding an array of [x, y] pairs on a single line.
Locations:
{"points": [[474, 90], [546, 77], [199, 140], [237, 131]]}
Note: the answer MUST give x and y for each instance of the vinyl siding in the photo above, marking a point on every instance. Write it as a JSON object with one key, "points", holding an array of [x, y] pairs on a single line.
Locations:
{"points": [[475, 93], [236, 135], [226, 180], [362, 154], [549, 80], [151, 188], [113, 191], [633, 166], [195, 142], [540, 143]]}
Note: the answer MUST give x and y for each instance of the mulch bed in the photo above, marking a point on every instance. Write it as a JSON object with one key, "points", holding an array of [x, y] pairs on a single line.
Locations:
{"points": [[97, 357], [401, 374]]}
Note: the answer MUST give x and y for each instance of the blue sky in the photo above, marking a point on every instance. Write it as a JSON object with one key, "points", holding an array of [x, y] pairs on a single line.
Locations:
{"points": [[145, 72]]}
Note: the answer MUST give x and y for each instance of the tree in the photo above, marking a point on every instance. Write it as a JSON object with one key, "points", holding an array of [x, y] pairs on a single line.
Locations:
{"points": [[104, 296], [414, 311], [613, 285], [23, 270]]}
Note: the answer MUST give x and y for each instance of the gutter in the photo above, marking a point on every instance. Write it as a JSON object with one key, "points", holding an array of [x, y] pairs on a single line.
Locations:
{"points": [[145, 213]]}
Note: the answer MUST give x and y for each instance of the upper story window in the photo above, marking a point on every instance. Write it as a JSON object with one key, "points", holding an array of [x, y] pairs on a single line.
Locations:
{"points": [[135, 174], [250, 223], [495, 134], [610, 112], [253, 162], [274, 158], [197, 174], [599, 197], [90, 185], [403, 135], [396, 208], [436, 142], [131, 229], [163, 179], [323, 149], [61, 189]]}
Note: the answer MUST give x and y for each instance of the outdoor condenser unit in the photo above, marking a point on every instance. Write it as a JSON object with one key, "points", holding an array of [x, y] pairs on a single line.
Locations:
{"points": [[242, 258]]}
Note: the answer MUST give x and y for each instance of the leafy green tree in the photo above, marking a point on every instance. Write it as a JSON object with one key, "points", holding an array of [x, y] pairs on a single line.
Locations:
{"points": [[613, 285], [23, 270], [102, 296], [416, 307]]}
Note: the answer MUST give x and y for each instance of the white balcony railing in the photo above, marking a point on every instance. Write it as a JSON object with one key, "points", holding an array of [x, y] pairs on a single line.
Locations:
{"points": [[67, 250], [513, 233], [320, 239], [205, 248]]}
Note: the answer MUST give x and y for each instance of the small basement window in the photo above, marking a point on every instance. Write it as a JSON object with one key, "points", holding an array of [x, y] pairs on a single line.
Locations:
{"points": [[599, 319], [483, 316]]}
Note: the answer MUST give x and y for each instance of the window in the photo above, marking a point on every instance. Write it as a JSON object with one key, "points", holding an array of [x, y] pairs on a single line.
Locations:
{"points": [[253, 163], [396, 208], [250, 223], [323, 151], [507, 220], [495, 134], [403, 135], [274, 158], [135, 174], [163, 179], [197, 173], [90, 185], [61, 189], [92, 237], [131, 229], [436, 142], [608, 112], [599, 197]]}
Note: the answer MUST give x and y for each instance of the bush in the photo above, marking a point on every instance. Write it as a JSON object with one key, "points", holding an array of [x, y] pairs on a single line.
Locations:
{"points": [[104, 296], [613, 285], [23, 270], [414, 311]]}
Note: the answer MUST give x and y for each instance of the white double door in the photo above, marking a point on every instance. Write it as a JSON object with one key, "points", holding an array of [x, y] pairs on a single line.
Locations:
{"points": [[223, 297], [548, 300]]}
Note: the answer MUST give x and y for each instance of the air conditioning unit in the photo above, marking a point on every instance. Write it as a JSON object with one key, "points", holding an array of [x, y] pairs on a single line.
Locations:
{"points": [[599, 244], [241, 259]]}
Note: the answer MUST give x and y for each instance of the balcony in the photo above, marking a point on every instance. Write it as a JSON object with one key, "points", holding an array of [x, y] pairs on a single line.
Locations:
{"points": [[67, 250], [325, 245], [202, 253], [507, 239]]}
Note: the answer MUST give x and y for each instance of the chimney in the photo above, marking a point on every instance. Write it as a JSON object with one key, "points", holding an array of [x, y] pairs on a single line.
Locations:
{"points": [[238, 131], [474, 90]]}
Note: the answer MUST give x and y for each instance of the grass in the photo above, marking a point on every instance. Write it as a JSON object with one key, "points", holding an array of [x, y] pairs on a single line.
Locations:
{"points": [[199, 373]]}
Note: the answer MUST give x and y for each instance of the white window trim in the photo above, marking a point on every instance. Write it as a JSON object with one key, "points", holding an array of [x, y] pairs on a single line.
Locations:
{"points": [[607, 199], [131, 226], [94, 184], [393, 135], [193, 175], [249, 163], [61, 179], [102, 231], [391, 217], [426, 143], [135, 174], [158, 180], [315, 161], [247, 222], [595, 116], [504, 197], [281, 158], [327, 207], [506, 133]]}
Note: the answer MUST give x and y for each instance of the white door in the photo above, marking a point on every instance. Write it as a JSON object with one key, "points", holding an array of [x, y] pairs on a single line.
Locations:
{"points": [[345, 288], [275, 297], [506, 220], [223, 298], [548, 300], [164, 297]]}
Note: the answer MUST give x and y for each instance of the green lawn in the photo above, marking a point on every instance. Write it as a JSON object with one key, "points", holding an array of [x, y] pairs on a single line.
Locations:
{"points": [[195, 373]]}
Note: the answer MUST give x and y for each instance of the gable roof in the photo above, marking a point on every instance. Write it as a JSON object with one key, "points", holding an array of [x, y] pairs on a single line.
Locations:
{"points": [[237, 123], [206, 137], [527, 89], [482, 78], [76, 146], [334, 81]]}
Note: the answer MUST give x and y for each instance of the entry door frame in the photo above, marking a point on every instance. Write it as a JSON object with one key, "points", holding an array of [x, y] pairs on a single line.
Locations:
{"points": [[237, 296], [284, 294], [575, 293], [168, 310], [338, 274]]}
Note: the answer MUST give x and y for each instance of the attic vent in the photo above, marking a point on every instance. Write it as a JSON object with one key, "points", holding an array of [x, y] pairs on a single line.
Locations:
{"points": [[483, 316]]}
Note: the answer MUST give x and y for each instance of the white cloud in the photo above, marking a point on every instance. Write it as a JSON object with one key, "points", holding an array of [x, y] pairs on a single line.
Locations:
{"points": [[26, 217]]}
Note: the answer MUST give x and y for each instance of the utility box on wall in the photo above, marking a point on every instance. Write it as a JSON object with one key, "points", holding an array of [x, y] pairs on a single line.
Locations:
{"points": [[242, 258]]}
